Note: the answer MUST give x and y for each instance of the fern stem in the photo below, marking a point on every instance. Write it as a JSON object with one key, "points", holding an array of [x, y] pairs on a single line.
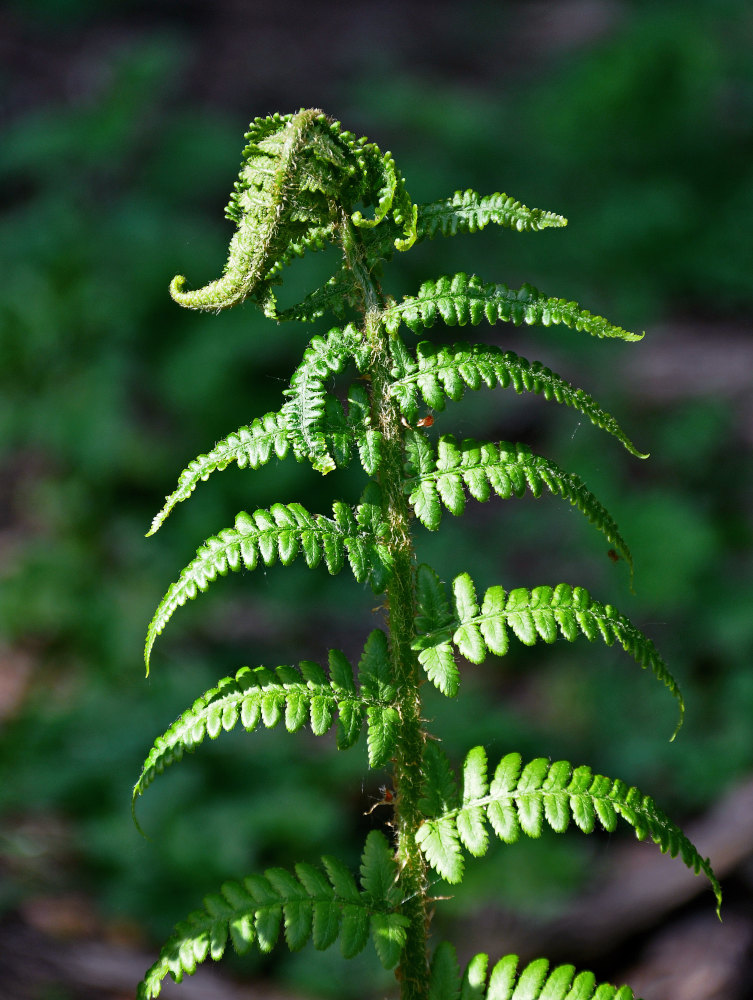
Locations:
{"points": [[401, 610]]}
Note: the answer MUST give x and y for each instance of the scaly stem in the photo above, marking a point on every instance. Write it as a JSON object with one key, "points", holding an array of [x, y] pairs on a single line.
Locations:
{"points": [[408, 761]]}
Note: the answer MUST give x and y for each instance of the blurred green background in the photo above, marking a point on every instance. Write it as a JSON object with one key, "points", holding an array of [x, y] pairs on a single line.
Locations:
{"points": [[122, 124]]}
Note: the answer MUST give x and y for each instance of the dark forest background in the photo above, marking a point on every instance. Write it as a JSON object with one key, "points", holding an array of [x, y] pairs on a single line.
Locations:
{"points": [[122, 125]]}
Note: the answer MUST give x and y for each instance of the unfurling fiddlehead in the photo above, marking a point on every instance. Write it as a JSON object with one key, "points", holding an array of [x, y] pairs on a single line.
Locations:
{"points": [[297, 173], [306, 184]]}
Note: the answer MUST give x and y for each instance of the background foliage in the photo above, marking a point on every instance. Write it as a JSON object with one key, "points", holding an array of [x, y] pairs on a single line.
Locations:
{"points": [[121, 128]]}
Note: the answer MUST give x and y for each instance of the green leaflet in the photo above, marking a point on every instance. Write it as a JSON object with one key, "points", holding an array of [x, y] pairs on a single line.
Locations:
{"points": [[506, 982], [379, 883], [523, 800], [460, 299], [434, 629], [439, 788], [262, 696], [542, 613], [444, 973], [285, 531], [441, 373], [482, 468], [309, 905], [377, 685]]}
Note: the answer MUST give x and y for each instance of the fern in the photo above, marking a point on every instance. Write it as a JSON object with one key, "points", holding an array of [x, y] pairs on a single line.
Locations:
{"points": [[467, 212], [534, 982], [252, 446], [441, 373], [297, 695], [522, 799], [461, 299], [316, 905], [306, 184], [283, 532], [276, 435], [544, 613], [464, 212], [440, 479]]}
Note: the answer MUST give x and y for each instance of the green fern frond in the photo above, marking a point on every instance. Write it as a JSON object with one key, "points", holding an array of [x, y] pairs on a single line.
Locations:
{"points": [[441, 478], [392, 197], [306, 185], [304, 411], [405, 213], [460, 299], [297, 172], [270, 206], [283, 532], [269, 437], [464, 212], [334, 296], [533, 982], [297, 696], [311, 905], [253, 446], [542, 613], [523, 800], [385, 182], [440, 373], [469, 212], [317, 238]]}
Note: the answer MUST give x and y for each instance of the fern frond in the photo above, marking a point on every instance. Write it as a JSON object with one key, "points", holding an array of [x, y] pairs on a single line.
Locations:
{"points": [[312, 904], [441, 478], [304, 411], [461, 299], [270, 206], [297, 172], [523, 800], [542, 613], [253, 446], [469, 212], [464, 212], [297, 695], [284, 531], [440, 373], [335, 295], [385, 183], [269, 437], [506, 982]]}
